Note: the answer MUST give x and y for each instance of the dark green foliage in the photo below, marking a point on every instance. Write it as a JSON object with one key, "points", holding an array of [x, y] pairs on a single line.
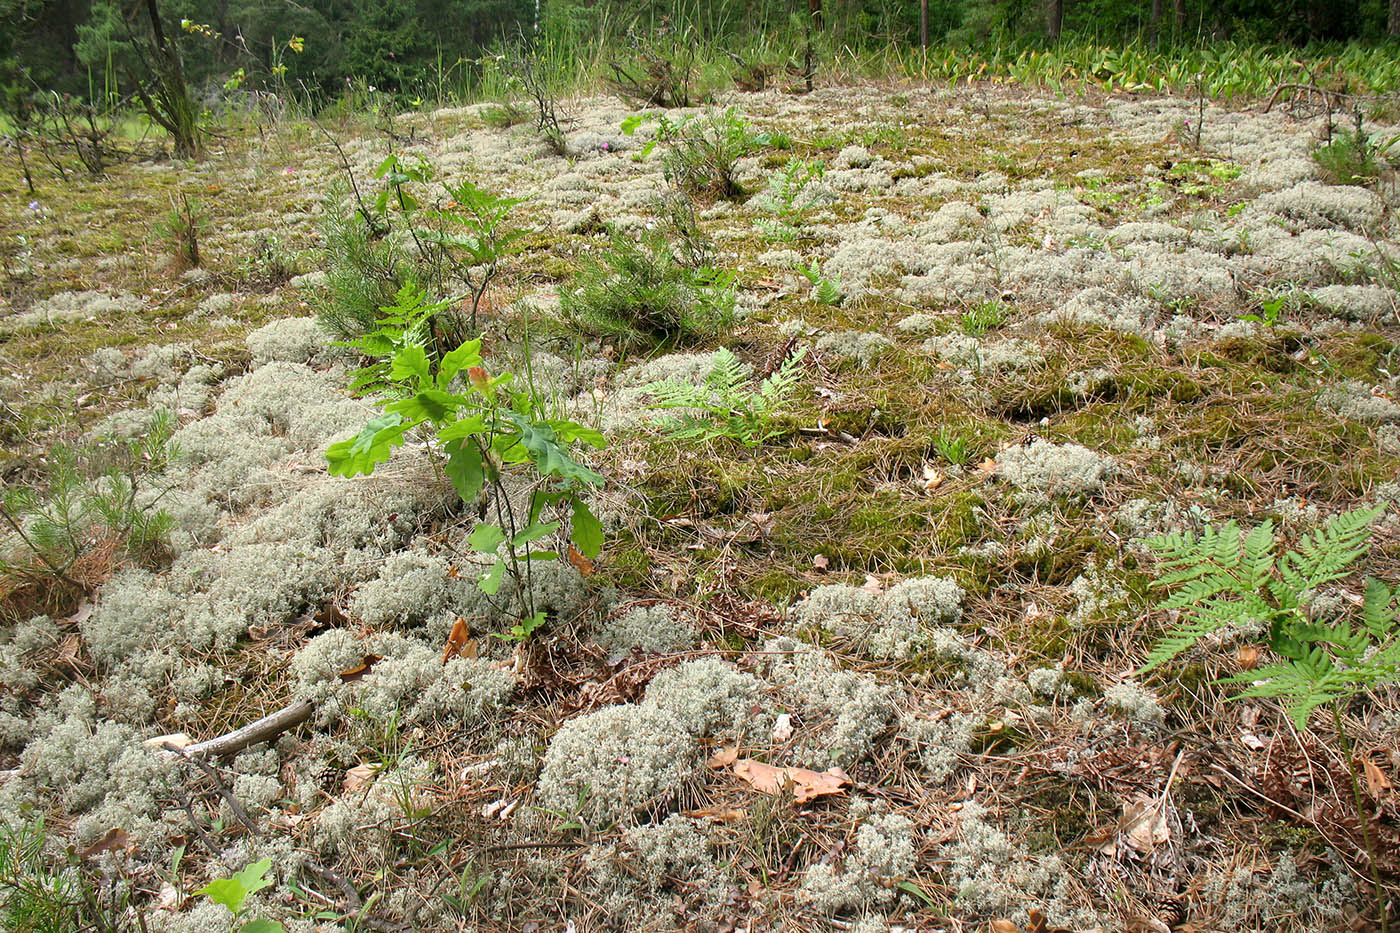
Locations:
{"points": [[364, 271], [1354, 157], [640, 295], [141, 50]]}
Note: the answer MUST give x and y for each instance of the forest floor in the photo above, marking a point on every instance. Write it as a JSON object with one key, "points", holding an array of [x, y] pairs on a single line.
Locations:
{"points": [[1055, 327]]}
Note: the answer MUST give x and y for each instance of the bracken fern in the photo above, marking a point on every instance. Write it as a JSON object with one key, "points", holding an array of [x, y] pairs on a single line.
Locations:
{"points": [[723, 406], [1225, 580]]}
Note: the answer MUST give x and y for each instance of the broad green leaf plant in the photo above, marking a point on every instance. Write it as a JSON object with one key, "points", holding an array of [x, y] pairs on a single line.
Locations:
{"points": [[482, 433], [233, 892]]}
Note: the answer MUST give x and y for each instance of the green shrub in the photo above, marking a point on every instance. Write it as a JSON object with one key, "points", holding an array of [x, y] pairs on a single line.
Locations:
{"points": [[639, 294], [483, 435], [363, 270], [180, 228], [37, 896], [702, 158], [659, 69], [88, 508], [1353, 157]]}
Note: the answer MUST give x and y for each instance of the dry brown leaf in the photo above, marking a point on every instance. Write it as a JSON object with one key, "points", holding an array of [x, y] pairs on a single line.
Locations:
{"points": [[805, 785], [1004, 926], [1143, 823], [581, 563], [168, 898], [113, 840], [357, 777], [873, 584], [725, 757], [456, 640], [719, 814], [1248, 657], [932, 479], [988, 465], [782, 727], [360, 670], [1377, 784], [820, 562], [69, 650]]}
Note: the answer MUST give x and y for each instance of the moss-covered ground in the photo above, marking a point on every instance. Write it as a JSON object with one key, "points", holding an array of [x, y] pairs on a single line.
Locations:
{"points": [[1089, 331]]}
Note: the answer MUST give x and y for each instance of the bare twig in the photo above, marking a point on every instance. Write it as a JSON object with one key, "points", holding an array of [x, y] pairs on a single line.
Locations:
{"points": [[268, 727]]}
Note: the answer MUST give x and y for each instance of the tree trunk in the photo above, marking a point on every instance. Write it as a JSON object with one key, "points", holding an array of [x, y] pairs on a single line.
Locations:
{"points": [[923, 23], [1179, 8], [172, 93], [814, 10], [1054, 17], [1154, 25], [1393, 25]]}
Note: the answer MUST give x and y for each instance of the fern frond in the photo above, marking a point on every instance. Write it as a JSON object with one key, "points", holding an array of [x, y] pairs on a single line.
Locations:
{"points": [[727, 374], [1258, 556], [1184, 637], [674, 394], [1304, 685], [1378, 611], [784, 379], [1327, 554]]}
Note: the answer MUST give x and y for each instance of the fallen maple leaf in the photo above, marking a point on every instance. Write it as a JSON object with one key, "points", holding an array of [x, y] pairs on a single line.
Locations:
{"points": [[988, 465], [932, 479], [357, 777], [456, 640], [805, 785], [1144, 824], [723, 758]]}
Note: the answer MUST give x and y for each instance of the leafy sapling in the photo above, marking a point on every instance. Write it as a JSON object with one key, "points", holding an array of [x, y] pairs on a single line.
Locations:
{"points": [[724, 406], [481, 433], [463, 241], [233, 892]]}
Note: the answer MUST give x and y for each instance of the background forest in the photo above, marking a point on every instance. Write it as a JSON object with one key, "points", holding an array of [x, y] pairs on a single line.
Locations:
{"points": [[411, 47]]}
